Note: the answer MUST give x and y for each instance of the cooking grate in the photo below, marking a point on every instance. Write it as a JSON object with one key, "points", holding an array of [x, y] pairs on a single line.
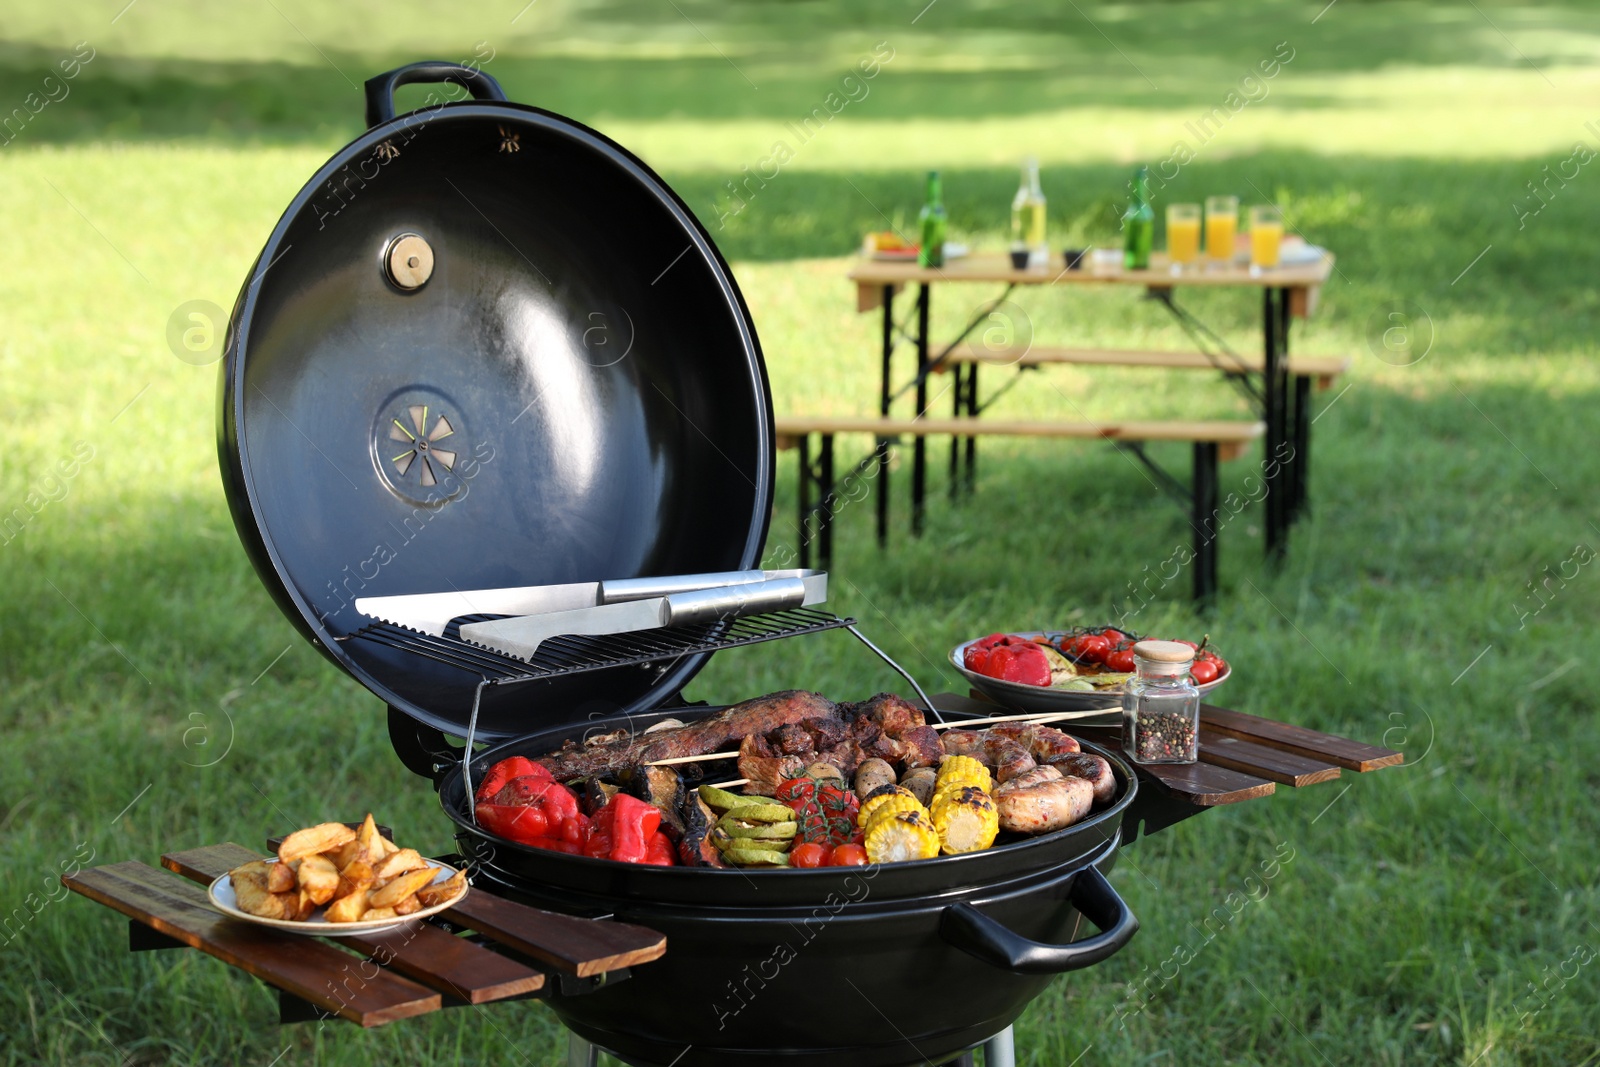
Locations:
{"points": [[575, 655]]}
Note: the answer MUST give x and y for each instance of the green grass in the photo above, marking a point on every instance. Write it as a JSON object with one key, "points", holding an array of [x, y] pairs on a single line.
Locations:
{"points": [[136, 646]]}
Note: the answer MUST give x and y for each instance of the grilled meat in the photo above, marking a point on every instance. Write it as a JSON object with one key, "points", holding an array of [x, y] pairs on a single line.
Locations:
{"points": [[883, 728], [1096, 770], [1005, 756], [1042, 800], [616, 752], [1043, 743]]}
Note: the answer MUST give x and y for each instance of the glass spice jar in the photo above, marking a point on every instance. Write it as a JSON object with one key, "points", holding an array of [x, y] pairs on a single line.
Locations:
{"points": [[1161, 706]]}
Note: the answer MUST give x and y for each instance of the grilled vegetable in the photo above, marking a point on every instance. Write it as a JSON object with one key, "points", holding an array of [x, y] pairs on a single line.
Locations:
{"points": [[736, 827], [759, 812], [967, 821], [661, 786], [755, 857], [825, 809], [697, 849], [878, 799], [873, 774], [722, 800], [921, 782], [905, 835], [889, 808], [965, 769], [821, 771]]}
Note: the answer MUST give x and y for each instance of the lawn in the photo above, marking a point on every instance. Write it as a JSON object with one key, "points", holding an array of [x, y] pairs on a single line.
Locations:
{"points": [[152, 697]]}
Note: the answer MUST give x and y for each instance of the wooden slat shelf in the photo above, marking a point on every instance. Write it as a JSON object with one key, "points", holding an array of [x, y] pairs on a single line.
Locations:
{"points": [[421, 967]]}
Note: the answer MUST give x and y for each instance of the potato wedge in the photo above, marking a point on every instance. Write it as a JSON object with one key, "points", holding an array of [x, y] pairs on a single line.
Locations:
{"points": [[431, 895], [355, 876], [300, 905], [408, 906], [375, 914], [255, 872], [348, 909], [250, 893], [401, 887], [368, 834], [281, 877], [314, 839], [318, 878], [401, 861], [345, 854]]}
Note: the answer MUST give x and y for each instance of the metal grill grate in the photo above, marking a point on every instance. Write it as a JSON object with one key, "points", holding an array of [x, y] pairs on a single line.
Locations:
{"points": [[576, 655]]}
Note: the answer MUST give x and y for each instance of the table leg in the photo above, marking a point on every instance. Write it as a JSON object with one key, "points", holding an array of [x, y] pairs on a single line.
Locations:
{"points": [[804, 448], [828, 504], [919, 448], [1275, 394], [883, 410], [1302, 444], [1203, 483], [957, 399], [972, 442]]}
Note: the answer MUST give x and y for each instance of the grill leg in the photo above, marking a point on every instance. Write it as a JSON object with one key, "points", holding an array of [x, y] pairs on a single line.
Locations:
{"points": [[1000, 1050], [580, 1053], [805, 500], [1204, 483]]}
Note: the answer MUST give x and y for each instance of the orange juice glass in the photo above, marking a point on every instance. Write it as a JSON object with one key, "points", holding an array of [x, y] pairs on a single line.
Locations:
{"points": [[1222, 223], [1183, 234], [1266, 236]]}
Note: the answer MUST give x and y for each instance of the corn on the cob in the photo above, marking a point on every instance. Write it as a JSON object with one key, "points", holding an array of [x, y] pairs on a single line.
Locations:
{"points": [[964, 769], [905, 835], [891, 807], [872, 804], [966, 820]]}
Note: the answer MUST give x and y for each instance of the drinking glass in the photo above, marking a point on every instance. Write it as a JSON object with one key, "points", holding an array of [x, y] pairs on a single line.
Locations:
{"points": [[1183, 235], [1266, 236], [1222, 223]]}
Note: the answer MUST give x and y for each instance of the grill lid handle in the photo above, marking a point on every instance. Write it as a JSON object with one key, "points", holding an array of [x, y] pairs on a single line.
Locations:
{"points": [[970, 930], [380, 89]]}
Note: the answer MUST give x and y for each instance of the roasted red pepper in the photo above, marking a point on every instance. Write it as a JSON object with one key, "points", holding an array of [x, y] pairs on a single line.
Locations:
{"points": [[1010, 658], [503, 772], [631, 826], [529, 807], [658, 851]]}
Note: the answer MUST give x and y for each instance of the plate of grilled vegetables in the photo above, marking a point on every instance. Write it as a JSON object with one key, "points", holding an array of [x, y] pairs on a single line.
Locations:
{"points": [[334, 880], [1066, 670]]}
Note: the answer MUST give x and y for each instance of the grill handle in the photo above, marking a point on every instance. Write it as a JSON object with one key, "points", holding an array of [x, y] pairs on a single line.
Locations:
{"points": [[970, 930], [380, 89], [733, 601]]}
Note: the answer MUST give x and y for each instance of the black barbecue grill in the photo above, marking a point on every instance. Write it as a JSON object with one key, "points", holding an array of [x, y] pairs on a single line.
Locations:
{"points": [[486, 346]]}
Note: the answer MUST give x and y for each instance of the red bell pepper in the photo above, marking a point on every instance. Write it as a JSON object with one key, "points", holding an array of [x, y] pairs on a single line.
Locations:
{"points": [[503, 772], [1013, 659], [555, 844], [631, 827], [658, 852], [531, 806], [513, 822]]}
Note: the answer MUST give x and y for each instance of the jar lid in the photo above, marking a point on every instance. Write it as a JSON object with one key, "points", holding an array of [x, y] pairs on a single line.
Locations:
{"points": [[1164, 652]]}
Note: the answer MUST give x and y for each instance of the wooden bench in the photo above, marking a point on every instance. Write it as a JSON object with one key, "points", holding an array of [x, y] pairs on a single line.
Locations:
{"points": [[1304, 372], [1211, 441]]}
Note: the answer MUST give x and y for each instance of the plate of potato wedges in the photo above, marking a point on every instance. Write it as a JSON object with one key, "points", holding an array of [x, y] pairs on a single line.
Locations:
{"points": [[333, 880]]}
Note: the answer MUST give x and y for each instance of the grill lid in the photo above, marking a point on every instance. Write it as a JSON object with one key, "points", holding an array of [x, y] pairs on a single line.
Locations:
{"points": [[487, 346]]}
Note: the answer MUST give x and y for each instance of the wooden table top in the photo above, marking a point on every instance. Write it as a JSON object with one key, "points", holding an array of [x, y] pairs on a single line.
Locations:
{"points": [[995, 267], [1242, 757]]}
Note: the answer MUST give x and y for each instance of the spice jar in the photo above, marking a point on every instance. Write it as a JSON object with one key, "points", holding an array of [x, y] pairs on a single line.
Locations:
{"points": [[1161, 706]]}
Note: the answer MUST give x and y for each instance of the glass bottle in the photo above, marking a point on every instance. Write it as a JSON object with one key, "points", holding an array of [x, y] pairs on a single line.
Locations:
{"points": [[1138, 224], [1161, 706], [1028, 216], [932, 223]]}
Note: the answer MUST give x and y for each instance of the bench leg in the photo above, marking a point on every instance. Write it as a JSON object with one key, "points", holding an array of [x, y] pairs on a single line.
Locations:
{"points": [[1203, 482], [957, 399], [804, 492], [1274, 383], [1302, 445]]}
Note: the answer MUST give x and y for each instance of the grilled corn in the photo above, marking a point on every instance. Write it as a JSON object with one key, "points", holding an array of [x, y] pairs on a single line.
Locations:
{"points": [[871, 804], [964, 769], [892, 806], [966, 821], [905, 835]]}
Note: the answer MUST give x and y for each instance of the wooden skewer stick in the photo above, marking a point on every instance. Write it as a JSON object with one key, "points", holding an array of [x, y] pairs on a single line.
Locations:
{"points": [[1033, 718], [675, 760], [730, 785]]}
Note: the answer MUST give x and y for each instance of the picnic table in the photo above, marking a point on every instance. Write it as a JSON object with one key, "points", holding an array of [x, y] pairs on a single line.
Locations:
{"points": [[1287, 292]]}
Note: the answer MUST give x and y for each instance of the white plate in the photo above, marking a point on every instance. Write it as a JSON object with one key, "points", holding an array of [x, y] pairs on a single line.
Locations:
{"points": [[1045, 699], [223, 899]]}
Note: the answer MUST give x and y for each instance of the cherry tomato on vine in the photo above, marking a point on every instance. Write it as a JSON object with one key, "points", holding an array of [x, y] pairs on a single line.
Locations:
{"points": [[1120, 659], [810, 854], [1204, 671], [1087, 648], [848, 856]]}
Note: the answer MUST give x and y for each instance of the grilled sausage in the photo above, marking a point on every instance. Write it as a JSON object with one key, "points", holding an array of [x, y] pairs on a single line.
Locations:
{"points": [[1094, 769], [1044, 743], [1043, 800], [872, 774], [1006, 755]]}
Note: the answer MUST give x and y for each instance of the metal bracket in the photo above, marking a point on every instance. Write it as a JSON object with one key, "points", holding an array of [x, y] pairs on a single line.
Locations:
{"points": [[1170, 485], [1213, 347], [938, 362], [927, 703], [423, 749]]}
